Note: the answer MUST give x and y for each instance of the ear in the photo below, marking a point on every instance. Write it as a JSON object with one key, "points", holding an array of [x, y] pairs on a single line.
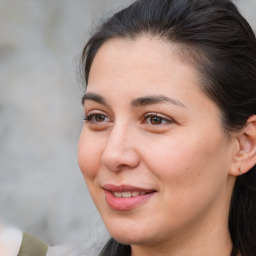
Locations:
{"points": [[245, 150]]}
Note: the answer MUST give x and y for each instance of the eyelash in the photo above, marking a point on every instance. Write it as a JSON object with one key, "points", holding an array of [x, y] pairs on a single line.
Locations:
{"points": [[91, 118], [160, 117]]}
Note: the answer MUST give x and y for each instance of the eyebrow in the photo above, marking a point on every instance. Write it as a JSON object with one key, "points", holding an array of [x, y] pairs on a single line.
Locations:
{"points": [[155, 99], [142, 101], [94, 97]]}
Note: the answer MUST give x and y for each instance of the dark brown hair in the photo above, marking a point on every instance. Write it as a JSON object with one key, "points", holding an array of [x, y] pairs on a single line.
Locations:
{"points": [[219, 42]]}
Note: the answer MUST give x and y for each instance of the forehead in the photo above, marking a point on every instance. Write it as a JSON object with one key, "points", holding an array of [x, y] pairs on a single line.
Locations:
{"points": [[143, 57], [124, 70]]}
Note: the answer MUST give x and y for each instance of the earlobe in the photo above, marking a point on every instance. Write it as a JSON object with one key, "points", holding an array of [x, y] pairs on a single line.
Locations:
{"points": [[245, 153]]}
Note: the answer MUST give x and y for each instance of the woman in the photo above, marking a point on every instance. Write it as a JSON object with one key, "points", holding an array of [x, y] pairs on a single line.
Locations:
{"points": [[168, 147]]}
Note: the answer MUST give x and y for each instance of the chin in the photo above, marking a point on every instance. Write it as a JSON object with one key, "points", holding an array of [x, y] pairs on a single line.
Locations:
{"points": [[130, 239], [129, 233]]}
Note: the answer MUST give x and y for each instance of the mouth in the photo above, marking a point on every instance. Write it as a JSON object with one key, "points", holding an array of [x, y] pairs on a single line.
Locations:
{"points": [[126, 197], [128, 194]]}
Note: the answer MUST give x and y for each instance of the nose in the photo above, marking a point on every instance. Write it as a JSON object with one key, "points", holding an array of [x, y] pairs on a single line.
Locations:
{"points": [[121, 149]]}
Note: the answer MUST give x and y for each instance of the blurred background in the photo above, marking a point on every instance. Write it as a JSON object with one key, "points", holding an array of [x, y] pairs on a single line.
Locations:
{"points": [[41, 188]]}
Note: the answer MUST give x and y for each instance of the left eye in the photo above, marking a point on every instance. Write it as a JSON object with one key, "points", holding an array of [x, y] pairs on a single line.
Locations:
{"points": [[156, 119]]}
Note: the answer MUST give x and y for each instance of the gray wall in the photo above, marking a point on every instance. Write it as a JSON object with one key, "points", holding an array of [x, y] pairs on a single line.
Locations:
{"points": [[41, 188]]}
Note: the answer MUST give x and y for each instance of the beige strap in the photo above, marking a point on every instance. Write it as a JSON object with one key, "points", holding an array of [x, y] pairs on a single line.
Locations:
{"points": [[32, 246]]}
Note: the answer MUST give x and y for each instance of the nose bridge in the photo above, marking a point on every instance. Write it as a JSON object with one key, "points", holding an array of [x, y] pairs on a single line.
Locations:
{"points": [[119, 133], [120, 148]]}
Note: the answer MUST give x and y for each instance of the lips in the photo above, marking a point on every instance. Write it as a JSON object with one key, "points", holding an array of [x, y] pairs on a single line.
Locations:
{"points": [[126, 197]]}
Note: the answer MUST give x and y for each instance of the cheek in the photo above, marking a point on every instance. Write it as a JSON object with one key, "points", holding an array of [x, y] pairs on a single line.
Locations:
{"points": [[185, 162], [190, 183], [170, 156], [89, 155]]}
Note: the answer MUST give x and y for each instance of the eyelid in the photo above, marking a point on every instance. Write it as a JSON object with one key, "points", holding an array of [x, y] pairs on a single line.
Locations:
{"points": [[95, 112]]}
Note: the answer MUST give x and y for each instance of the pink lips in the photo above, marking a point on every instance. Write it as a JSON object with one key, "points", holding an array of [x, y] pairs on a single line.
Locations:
{"points": [[126, 203]]}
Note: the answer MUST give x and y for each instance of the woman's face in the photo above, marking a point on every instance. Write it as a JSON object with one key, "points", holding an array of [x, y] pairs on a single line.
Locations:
{"points": [[152, 149]]}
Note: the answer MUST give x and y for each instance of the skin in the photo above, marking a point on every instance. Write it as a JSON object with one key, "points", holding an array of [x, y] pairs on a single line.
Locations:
{"points": [[185, 155]]}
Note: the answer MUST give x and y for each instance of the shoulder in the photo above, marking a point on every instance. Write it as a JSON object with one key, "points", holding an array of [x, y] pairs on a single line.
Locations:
{"points": [[32, 246]]}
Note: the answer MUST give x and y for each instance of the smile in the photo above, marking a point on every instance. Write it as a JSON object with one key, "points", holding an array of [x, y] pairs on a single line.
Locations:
{"points": [[127, 194], [126, 197]]}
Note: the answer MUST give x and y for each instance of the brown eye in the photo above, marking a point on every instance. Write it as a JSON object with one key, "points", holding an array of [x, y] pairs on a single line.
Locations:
{"points": [[100, 118], [96, 118], [156, 120]]}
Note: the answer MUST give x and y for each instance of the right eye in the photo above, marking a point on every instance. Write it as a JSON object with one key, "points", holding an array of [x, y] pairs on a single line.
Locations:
{"points": [[96, 118]]}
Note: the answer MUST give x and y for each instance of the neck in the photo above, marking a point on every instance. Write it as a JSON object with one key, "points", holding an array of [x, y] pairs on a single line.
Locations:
{"points": [[192, 247]]}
